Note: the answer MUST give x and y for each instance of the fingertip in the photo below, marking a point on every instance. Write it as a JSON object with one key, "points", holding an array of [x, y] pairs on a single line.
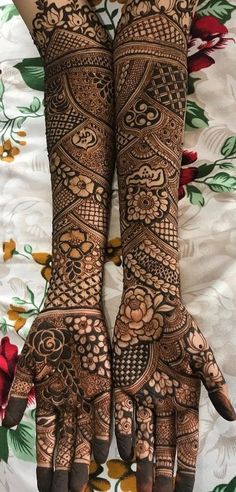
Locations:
{"points": [[100, 450], [44, 479], [14, 411], [125, 447], [223, 405], [79, 477]]}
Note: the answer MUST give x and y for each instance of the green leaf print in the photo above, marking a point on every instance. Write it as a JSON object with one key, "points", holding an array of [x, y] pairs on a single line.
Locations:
{"points": [[195, 116], [229, 147], [32, 72], [230, 487], [204, 170], [4, 450], [221, 182], [221, 9], [35, 105], [191, 82], [3, 326], [195, 195], [22, 441], [8, 11]]}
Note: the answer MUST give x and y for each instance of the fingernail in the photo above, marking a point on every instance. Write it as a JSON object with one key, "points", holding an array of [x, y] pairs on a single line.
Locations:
{"points": [[223, 405]]}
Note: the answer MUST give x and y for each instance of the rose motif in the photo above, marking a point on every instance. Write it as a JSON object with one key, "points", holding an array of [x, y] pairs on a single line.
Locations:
{"points": [[48, 343], [140, 317], [8, 361], [143, 448], [125, 425]]}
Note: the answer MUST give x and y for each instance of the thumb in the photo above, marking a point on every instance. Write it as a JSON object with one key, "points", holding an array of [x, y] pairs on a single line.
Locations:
{"points": [[205, 366], [22, 384]]}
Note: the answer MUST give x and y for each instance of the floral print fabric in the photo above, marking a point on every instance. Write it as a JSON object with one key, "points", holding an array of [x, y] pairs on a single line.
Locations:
{"points": [[207, 219]]}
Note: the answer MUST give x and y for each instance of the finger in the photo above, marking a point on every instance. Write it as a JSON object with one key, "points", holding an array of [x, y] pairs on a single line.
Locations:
{"points": [[124, 418], [165, 451], [144, 447], [45, 447], [204, 364], [84, 434], [22, 384], [187, 430], [102, 422], [64, 451]]}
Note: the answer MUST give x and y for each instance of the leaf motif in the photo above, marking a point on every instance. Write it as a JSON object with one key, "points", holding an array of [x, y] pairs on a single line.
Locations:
{"points": [[19, 301], [3, 326], [204, 170], [230, 487], [2, 89], [229, 147], [35, 105], [221, 182], [8, 11], [31, 294], [19, 121], [114, 13], [221, 9], [22, 441], [195, 195], [195, 116], [4, 449], [28, 248], [191, 82], [32, 72]]}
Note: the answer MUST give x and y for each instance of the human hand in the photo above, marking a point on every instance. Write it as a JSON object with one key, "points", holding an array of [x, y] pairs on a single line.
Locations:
{"points": [[160, 359], [67, 357]]}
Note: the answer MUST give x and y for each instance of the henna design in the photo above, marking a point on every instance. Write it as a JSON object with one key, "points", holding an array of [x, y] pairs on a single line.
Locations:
{"points": [[67, 351], [160, 355]]}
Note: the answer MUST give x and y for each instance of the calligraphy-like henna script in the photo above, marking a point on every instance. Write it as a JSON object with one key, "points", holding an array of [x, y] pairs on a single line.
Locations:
{"points": [[160, 355], [67, 352]]}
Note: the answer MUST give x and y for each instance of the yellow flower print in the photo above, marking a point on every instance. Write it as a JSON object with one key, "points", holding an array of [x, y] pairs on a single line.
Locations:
{"points": [[8, 152], [14, 314], [113, 251], [118, 469], [96, 483], [46, 260], [8, 249]]}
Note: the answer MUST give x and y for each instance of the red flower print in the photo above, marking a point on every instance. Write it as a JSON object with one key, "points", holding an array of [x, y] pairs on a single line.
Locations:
{"points": [[190, 173], [207, 35], [8, 360]]}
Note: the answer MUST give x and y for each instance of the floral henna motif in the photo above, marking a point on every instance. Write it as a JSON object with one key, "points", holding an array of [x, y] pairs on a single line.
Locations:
{"points": [[67, 352], [160, 356]]}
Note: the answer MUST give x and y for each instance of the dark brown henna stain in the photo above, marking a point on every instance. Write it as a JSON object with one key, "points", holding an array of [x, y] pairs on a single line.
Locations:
{"points": [[67, 352], [160, 355]]}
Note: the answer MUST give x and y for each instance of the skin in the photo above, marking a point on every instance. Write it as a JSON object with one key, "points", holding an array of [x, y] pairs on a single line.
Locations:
{"points": [[160, 356], [67, 352]]}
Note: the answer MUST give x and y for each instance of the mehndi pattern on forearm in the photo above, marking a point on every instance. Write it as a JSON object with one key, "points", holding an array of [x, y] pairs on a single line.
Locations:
{"points": [[160, 355]]}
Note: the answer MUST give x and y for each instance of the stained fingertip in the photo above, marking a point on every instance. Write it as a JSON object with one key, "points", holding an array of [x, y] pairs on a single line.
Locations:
{"points": [[184, 482], [60, 481], [100, 450], [163, 484], [79, 477], [125, 447], [14, 411], [223, 405], [44, 479], [144, 476]]}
